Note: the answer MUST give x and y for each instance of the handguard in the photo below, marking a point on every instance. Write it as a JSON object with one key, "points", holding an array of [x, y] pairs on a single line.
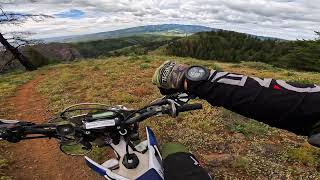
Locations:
{"points": [[314, 140]]}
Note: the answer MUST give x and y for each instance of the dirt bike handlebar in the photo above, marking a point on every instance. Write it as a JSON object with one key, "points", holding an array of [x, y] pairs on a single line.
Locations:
{"points": [[19, 131], [14, 131], [162, 107]]}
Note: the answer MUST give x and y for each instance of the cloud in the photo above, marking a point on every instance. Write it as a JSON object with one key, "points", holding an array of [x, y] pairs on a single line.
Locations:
{"points": [[72, 14], [289, 19]]}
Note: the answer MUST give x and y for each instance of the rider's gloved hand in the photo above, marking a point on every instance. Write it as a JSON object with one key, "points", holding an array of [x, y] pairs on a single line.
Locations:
{"points": [[170, 77]]}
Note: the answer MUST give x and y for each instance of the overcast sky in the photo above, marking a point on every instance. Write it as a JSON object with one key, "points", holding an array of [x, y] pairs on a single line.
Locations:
{"points": [[288, 19]]}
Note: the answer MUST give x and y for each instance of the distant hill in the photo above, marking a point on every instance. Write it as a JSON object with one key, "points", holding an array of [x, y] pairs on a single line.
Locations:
{"points": [[164, 29], [138, 44]]}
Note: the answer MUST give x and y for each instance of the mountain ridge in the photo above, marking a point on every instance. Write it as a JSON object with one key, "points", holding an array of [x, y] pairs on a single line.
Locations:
{"points": [[162, 29]]}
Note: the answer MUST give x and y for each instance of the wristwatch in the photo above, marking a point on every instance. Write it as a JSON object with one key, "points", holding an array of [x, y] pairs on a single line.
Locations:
{"points": [[197, 74]]}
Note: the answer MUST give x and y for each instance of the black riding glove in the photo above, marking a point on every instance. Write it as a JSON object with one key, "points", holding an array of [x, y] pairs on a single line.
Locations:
{"points": [[170, 77]]}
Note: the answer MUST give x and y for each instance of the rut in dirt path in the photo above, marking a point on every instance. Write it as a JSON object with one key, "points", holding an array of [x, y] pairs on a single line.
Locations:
{"points": [[40, 159]]}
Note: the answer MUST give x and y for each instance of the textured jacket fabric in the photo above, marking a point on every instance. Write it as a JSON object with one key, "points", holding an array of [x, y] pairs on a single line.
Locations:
{"points": [[290, 106]]}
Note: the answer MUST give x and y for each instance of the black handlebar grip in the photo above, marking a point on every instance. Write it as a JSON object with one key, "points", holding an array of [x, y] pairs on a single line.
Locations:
{"points": [[168, 91], [3, 134], [189, 107]]}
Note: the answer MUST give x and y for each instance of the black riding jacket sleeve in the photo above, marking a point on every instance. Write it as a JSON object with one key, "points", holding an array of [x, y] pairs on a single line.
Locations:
{"points": [[290, 106]]}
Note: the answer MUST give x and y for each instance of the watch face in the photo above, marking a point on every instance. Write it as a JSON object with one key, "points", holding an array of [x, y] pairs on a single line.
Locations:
{"points": [[197, 73]]}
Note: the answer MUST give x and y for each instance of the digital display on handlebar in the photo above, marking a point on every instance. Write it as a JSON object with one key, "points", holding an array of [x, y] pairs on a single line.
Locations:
{"points": [[108, 114], [99, 124]]}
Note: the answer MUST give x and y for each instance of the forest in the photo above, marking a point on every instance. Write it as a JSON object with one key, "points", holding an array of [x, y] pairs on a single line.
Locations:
{"points": [[230, 46], [137, 44]]}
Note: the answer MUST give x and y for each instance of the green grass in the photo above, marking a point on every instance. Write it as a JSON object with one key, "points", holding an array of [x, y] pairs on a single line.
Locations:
{"points": [[144, 66], [241, 163], [215, 67], [302, 80], [258, 65], [75, 149], [306, 155], [249, 128], [239, 124], [259, 150], [10, 81], [146, 59], [96, 153], [4, 163]]}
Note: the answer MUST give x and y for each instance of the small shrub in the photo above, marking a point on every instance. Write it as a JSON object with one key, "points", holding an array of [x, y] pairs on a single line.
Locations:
{"points": [[258, 65], [248, 128], [144, 66], [241, 162], [146, 59], [215, 67], [3, 168], [289, 73], [306, 155], [192, 62], [208, 64], [3, 163], [96, 68], [108, 72], [120, 63], [5, 178], [128, 99], [301, 81], [98, 154], [236, 65], [124, 97], [133, 57]]}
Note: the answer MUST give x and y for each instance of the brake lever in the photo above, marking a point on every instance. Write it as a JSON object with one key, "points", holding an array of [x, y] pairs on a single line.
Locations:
{"points": [[180, 98], [174, 112]]}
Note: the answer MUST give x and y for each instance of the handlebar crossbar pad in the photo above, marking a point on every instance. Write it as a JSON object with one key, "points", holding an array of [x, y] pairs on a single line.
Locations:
{"points": [[189, 107]]}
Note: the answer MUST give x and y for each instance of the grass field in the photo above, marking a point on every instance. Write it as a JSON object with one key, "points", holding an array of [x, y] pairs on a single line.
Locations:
{"points": [[229, 145]]}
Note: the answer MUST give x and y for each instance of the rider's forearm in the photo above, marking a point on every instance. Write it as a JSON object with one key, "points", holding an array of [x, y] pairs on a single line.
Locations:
{"points": [[284, 105]]}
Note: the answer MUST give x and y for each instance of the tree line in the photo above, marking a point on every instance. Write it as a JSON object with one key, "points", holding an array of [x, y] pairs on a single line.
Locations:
{"points": [[231, 46], [138, 44]]}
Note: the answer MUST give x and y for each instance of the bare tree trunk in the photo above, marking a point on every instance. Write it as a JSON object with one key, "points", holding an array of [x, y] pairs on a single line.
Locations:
{"points": [[17, 54]]}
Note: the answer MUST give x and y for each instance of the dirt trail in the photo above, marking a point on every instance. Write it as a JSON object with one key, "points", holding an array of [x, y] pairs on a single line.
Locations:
{"points": [[41, 159]]}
